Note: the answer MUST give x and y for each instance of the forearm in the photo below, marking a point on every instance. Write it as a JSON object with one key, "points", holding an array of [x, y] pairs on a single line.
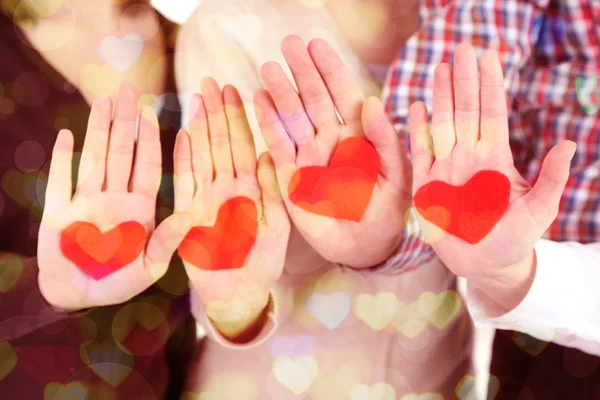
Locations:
{"points": [[241, 319], [558, 302], [503, 292]]}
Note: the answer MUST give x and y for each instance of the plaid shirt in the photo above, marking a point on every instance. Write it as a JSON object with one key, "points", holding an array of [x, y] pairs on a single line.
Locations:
{"points": [[549, 52]]}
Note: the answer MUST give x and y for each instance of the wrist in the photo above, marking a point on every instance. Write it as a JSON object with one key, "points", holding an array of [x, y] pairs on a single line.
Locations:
{"points": [[504, 290], [367, 260], [240, 316]]}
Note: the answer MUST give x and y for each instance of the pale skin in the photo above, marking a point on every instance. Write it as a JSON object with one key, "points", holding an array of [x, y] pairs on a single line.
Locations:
{"points": [[469, 133], [393, 159], [241, 295], [458, 147], [302, 129], [199, 56], [214, 162], [112, 188]]}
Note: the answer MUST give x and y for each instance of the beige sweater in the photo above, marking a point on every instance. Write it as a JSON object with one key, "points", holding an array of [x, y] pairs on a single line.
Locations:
{"points": [[335, 333]]}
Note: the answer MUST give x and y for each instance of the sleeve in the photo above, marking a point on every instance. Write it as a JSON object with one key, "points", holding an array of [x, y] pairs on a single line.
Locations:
{"points": [[562, 304], [23, 309], [279, 306], [412, 252], [510, 28]]}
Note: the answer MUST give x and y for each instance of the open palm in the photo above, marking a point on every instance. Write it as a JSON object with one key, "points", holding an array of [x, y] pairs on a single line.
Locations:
{"points": [[302, 129], [215, 163], [468, 134], [78, 270]]}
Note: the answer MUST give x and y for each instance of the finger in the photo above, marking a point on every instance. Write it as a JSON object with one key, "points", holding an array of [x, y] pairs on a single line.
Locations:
{"points": [[183, 182], [92, 166], [313, 92], [240, 134], [442, 113], [202, 165], [218, 131], [272, 201], [120, 145], [276, 138], [544, 198], [466, 97], [290, 109], [494, 113], [340, 81], [384, 138], [59, 188], [147, 168], [164, 242], [421, 144]]}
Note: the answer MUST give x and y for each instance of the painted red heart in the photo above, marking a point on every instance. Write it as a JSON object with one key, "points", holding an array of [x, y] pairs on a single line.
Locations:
{"points": [[100, 253], [343, 188], [226, 244], [469, 211]]}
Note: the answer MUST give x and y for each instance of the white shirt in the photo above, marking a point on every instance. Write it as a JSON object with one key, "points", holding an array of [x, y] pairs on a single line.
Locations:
{"points": [[563, 303]]}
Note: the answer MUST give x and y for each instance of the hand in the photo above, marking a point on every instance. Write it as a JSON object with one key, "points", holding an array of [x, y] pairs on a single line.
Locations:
{"points": [[214, 164], [80, 267], [304, 130], [466, 138]]}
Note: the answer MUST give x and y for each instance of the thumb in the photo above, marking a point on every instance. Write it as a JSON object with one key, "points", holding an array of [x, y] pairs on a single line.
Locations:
{"points": [[380, 132], [164, 241], [544, 198]]}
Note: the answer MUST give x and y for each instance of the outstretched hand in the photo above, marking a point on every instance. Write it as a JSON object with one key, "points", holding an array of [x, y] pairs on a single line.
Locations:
{"points": [[236, 249], [100, 246], [341, 166], [495, 217]]}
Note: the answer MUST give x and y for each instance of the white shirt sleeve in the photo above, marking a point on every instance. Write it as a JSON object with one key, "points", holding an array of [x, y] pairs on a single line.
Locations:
{"points": [[563, 303]]}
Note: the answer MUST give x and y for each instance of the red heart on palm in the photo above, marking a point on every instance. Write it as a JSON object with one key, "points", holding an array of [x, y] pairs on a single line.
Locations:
{"points": [[100, 253], [343, 188], [469, 211], [226, 244]]}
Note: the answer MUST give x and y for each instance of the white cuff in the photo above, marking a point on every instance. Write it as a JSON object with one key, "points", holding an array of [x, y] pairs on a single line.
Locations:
{"points": [[563, 303]]}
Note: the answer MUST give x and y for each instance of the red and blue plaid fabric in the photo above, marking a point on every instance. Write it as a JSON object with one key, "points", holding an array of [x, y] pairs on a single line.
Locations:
{"points": [[549, 51]]}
